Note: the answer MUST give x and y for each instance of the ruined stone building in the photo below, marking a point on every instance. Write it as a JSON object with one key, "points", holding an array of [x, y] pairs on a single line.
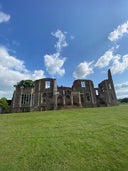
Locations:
{"points": [[44, 94]]}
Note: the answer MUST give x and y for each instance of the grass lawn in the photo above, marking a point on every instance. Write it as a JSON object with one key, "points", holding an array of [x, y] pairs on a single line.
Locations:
{"points": [[90, 139]]}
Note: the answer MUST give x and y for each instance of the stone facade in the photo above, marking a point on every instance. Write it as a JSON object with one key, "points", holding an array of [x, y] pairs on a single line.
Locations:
{"points": [[46, 95]]}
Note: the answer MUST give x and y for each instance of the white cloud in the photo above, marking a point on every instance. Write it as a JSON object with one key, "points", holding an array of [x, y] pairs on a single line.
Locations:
{"points": [[54, 62], [9, 61], [105, 60], [115, 62], [38, 74], [61, 43], [121, 90], [82, 70], [120, 64], [119, 32], [120, 86], [13, 70], [4, 17]]}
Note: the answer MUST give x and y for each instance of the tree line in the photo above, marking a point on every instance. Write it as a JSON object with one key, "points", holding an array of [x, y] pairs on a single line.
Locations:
{"points": [[124, 100]]}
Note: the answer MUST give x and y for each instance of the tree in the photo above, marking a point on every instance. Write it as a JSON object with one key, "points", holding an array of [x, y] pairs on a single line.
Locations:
{"points": [[4, 105], [25, 84]]}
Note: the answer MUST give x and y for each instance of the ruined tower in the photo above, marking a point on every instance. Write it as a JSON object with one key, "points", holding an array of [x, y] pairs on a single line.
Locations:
{"points": [[106, 92]]}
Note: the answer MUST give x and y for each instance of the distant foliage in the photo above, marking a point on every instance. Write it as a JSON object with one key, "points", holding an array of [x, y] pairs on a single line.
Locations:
{"points": [[124, 100], [4, 105], [25, 84]]}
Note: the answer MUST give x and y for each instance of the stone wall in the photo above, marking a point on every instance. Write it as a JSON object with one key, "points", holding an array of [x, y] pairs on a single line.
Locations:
{"points": [[46, 95]]}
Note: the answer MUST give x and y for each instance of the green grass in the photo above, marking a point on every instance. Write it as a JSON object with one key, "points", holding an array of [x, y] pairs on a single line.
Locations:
{"points": [[91, 139]]}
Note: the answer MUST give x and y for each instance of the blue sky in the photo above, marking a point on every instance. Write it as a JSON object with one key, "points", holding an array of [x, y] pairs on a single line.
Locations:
{"points": [[66, 40]]}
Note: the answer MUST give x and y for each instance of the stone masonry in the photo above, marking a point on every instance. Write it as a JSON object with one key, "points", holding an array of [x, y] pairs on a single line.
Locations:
{"points": [[46, 95]]}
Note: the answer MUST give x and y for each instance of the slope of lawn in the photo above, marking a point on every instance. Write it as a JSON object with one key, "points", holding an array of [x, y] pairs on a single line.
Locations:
{"points": [[90, 139]]}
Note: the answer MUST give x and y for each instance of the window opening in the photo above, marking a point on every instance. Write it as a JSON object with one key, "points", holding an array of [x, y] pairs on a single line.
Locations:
{"points": [[25, 99], [97, 93], [83, 84], [47, 84], [88, 97], [63, 92], [109, 86], [102, 89]]}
